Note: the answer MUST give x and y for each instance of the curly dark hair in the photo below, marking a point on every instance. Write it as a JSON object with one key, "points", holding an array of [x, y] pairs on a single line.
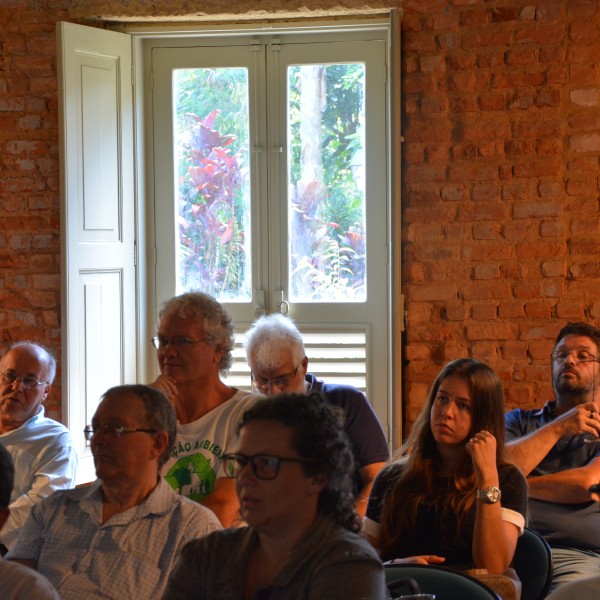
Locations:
{"points": [[318, 434]]}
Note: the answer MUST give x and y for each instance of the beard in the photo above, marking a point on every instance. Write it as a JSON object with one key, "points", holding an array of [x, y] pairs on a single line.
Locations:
{"points": [[572, 388]]}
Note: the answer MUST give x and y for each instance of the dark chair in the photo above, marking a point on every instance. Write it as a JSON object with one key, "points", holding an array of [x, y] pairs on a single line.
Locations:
{"points": [[445, 583], [533, 564]]}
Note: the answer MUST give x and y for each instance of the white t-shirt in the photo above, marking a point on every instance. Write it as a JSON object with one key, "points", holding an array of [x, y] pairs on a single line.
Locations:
{"points": [[195, 463]]}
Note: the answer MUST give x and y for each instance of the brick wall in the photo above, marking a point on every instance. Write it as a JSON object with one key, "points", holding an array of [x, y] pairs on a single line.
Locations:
{"points": [[501, 235], [29, 189]]}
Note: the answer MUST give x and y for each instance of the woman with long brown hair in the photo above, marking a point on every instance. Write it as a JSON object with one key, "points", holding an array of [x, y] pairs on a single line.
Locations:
{"points": [[451, 498]]}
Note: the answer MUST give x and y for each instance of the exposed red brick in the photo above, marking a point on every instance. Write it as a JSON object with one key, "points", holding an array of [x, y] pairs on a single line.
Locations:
{"points": [[510, 310], [570, 310], [503, 14], [581, 8], [538, 310]]}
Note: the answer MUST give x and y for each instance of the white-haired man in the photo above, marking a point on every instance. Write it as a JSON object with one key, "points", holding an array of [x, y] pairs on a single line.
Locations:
{"points": [[194, 343], [278, 361], [41, 448]]}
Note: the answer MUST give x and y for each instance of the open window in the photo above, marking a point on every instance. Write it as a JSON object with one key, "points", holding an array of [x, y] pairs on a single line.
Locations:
{"points": [[254, 165]]}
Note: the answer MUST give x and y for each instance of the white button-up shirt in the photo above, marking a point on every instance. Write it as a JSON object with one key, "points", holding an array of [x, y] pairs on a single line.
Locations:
{"points": [[45, 461]]}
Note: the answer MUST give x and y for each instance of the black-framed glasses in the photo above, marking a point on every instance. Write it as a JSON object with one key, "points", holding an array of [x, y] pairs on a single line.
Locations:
{"points": [[181, 341], [29, 383], [281, 381], [583, 356], [264, 466], [112, 430]]}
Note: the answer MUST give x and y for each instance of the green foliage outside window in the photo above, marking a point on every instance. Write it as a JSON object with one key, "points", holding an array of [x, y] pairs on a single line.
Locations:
{"points": [[213, 210]]}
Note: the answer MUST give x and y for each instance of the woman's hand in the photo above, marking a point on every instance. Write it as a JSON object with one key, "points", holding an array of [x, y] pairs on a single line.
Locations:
{"points": [[482, 448], [428, 559]]}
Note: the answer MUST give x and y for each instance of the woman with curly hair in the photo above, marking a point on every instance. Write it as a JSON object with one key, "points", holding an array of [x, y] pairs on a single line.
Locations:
{"points": [[292, 466], [452, 498]]}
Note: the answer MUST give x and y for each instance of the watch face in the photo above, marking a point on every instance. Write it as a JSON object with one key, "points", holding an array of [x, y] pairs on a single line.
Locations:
{"points": [[490, 495], [493, 494]]}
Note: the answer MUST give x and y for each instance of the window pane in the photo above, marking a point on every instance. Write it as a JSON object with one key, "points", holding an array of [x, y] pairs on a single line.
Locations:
{"points": [[326, 175], [212, 190]]}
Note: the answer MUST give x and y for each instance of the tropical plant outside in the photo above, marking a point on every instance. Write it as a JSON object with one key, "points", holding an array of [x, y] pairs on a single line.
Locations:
{"points": [[327, 216], [326, 185], [213, 191]]}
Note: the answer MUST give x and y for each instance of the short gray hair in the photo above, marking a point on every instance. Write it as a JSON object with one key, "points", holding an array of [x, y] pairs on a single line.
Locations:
{"points": [[44, 354], [159, 414], [269, 337], [210, 315]]}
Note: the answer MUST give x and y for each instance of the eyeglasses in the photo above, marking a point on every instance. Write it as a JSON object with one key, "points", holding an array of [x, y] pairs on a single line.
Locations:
{"points": [[581, 356], [178, 342], [29, 383], [264, 466], [112, 430], [281, 381]]}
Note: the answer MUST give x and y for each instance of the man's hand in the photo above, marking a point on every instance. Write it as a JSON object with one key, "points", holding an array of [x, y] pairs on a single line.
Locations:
{"points": [[168, 386], [578, 420]]}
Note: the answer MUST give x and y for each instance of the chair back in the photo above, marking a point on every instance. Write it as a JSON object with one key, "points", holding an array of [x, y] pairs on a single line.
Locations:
{"points": [[445, 583], [533, 564]]}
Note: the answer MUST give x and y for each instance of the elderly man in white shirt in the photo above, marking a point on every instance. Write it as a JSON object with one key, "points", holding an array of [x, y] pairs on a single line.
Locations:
{"points": [[41, 449]]}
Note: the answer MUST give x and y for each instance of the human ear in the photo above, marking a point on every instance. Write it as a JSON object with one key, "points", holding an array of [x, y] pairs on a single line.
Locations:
{"points": [[317, 483], [161, 440]]}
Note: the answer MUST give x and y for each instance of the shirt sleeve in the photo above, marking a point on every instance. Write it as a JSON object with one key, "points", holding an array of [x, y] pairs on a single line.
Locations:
{"points": [[31, 536], [362, 426], [513, 425], [55, 470], [187, 579], [357, 574], [514, 495], [379, 490]]}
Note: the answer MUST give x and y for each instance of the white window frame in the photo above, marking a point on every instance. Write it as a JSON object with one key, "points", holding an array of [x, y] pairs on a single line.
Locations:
{"points": [[141, 362]]}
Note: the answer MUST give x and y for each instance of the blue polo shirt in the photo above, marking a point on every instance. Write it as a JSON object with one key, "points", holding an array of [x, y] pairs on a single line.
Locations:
{"points": [[563, 525]]}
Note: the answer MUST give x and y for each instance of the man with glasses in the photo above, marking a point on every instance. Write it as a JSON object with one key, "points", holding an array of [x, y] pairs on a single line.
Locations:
{"points": [[118, 538], [194, 344], [558, 449], [278, 363], [41, 448]]}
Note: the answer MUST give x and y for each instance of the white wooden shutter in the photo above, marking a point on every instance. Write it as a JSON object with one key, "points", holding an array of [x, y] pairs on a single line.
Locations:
{"points": [[97, 222]]}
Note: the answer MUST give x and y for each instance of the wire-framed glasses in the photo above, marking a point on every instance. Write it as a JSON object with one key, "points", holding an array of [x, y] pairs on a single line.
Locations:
{"points": [[29, 383], [264, 466], [112, 430], [181, 341], [281, 381], [580, 356]]}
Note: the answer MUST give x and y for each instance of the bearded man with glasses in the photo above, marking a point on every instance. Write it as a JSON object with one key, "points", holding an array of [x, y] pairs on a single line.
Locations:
{"points": [[42, 449], [278, 363], [558, 449]]}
